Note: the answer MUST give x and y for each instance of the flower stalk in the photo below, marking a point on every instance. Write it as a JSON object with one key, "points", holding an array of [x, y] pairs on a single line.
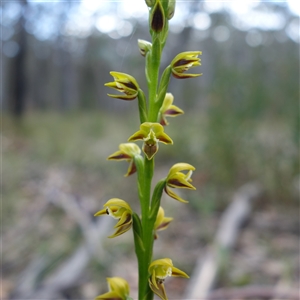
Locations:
{"points": [[153, 110]]}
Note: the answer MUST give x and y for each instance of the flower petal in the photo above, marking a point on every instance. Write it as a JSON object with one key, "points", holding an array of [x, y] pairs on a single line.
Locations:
{"points": [[164, 224], [123, 97], [174, 196], [181, 167], [118, 202], [109, 296], [158, 289], [124, 220], [131, 169], [164, 138], [118, 289], [178, 273], [173, 111], [150, 150], [101, 212], [119, 155], [121, 230], [139, 135], [179, 181]]}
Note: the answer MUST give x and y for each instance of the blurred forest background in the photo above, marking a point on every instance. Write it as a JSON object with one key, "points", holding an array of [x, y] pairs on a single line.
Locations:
{"points": [[241, 125]]}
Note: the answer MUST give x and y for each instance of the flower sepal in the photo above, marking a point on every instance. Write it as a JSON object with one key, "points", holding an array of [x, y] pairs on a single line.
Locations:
{"points": [[118, 289], [161, 222]]}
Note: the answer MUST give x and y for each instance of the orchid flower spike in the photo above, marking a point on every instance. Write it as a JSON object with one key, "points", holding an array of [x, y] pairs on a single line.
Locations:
{"points": [[151, 134], [168, 109], [161, 222], [177, 179], [118, 289], [118, 209], [123, 83], [183, 62], [159, 270], [128, 151]]}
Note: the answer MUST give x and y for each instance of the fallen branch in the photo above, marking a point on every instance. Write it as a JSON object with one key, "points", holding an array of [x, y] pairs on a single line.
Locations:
{"points": [[206, 271]]}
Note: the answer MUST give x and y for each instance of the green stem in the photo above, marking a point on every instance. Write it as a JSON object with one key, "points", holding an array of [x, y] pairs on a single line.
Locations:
{"points": [[162, 89], [144, 258], [142, 106], [154, 74]]}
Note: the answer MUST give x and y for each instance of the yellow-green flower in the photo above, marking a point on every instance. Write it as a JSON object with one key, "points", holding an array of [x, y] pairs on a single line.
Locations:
{"points": [[183, 62], [118, 289], [177, 179], [123, 83], [168, 109], [151, 134], [161, 222], [159, 270], [118, 209], [127, 152]]}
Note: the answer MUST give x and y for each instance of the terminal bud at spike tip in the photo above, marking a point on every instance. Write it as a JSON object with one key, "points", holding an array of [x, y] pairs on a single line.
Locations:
{"points": [[171, 9], [157, 17]]}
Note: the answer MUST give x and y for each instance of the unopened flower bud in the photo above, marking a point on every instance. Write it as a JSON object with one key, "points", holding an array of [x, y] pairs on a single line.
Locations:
{"points": [[157, 19], [171, 9], [144, 47], [150, 3]]}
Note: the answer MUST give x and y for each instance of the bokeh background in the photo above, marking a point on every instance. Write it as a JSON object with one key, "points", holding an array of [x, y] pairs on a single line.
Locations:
{"points": [[241, 125]]}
